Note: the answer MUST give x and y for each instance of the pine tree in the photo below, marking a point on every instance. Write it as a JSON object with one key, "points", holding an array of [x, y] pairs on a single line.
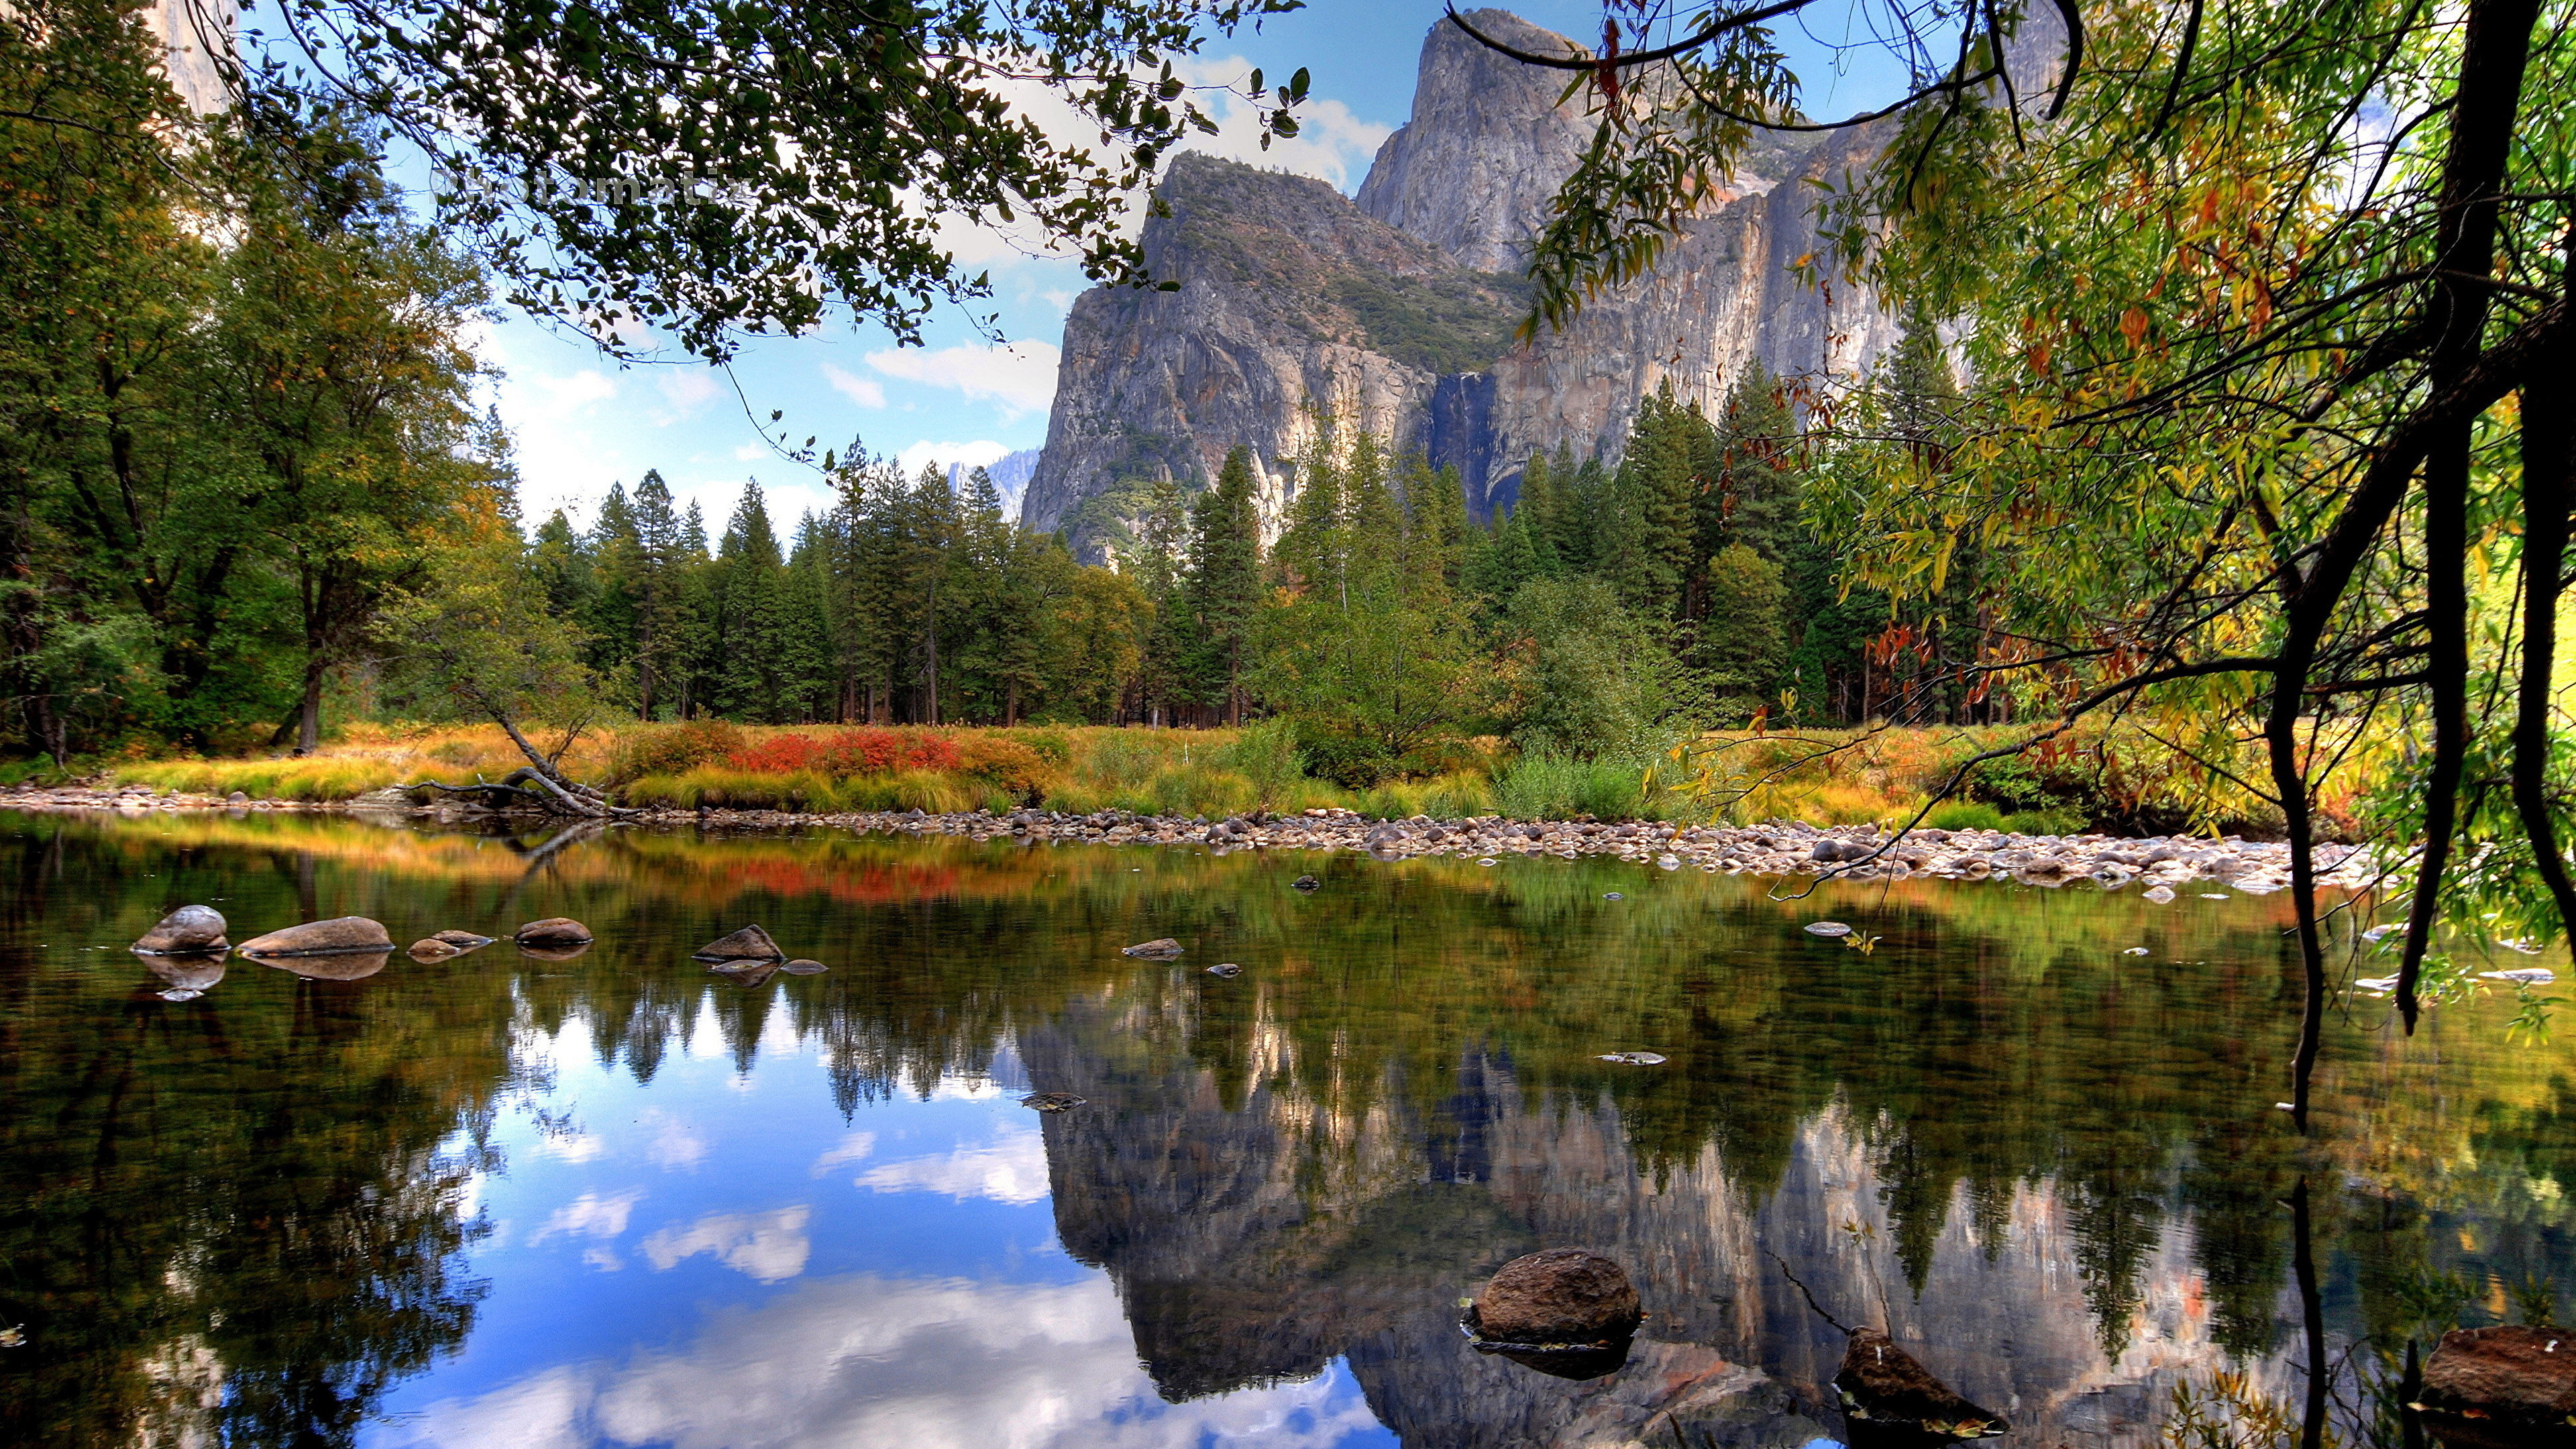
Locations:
{"points": [[1225, 584]]}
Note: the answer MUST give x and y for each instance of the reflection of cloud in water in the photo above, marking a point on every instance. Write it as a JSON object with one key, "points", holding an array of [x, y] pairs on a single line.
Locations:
{"points": [[567, 1147], [868, 1361], [590, 1216], [853, 1148], [675, 1144], [768, 1246], [1010, 1168]]}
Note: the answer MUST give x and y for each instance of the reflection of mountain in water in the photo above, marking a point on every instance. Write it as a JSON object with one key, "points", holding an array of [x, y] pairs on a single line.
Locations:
{"points": [[1254, 1245]]}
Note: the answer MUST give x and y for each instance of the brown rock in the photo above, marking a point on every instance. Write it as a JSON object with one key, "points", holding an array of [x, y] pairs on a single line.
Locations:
{"points": [[432, 949], [468, 941], [751, 943], [323, 938], [185, 931], [1562, 1295], [2515, 1375], [552, 931], [188, 973], [1882, 1384], [1165, 949], [336, 966], [748, 973], [555, 953], [805, 968]]}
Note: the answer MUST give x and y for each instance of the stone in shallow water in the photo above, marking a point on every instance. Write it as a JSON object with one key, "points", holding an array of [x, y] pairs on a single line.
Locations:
{"points": [[1306, 883], [1225, 968], [468, 941], [1165, 949], [1560, 1296], [1633, 1059], [749, 973], [186, 930], [431, 949], [802, 967], [2160, 894], [751, 943], [1881, 1384], [195, 975], [1828, 929], [554, 953], [1052, 1101], [323, 938], [552, 931]]}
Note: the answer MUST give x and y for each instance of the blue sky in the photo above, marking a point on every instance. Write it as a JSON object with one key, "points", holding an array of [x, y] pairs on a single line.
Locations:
{"points": [[583, 421]]}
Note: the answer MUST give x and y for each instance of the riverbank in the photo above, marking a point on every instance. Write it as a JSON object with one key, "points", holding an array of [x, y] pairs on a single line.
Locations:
{"points": [[1777, 848]]}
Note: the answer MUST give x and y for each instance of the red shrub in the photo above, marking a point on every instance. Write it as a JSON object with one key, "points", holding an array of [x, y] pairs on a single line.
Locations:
{"points": [[847, 752]]}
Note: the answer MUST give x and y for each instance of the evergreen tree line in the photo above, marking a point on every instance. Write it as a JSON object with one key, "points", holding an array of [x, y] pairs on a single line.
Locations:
{"points": [[1611, 606]]}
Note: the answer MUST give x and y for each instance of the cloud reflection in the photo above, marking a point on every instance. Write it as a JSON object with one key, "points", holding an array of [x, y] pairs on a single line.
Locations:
{"points": [[767, 1246], [1011, 1168], [866, 1361]]}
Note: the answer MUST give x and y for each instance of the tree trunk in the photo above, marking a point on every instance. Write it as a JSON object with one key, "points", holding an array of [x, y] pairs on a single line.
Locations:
{"points": [[931, 634], [308, 718]]}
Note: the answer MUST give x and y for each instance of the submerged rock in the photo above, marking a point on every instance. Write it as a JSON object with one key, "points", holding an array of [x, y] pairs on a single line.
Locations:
{"points": [[1831, 930], [751, 943], [1053, 1101], [571, 952], [1881, 1384], [1633, 1059], [432, 949], [468, 941], [1165, 949], [1225, 968], [749, 973], [2160, 894], [333, 966], [802, 967], [186, 931], [342, 934], [552, 931], [1306, 883], [2517, 1375], [1559, 1296]]}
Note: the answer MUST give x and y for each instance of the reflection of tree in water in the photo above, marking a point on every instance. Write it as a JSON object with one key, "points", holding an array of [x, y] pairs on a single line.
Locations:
{"points": [[1309, 1160], [236, 1222]]}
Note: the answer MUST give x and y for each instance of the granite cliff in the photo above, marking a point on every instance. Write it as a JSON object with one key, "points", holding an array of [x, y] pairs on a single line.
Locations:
{"points": [[1394, 311]]}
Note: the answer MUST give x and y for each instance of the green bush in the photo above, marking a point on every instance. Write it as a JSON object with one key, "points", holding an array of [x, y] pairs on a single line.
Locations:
{"points": [[2045, 822], [1543, 785], [1265, 755], [1964, 815]]}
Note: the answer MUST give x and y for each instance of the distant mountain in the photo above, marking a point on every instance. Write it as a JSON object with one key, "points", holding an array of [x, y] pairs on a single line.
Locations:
{"points": [[1395, 309], [1010, 475]]}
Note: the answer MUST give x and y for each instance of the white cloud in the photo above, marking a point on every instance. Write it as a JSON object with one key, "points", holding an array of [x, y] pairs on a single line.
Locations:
{"points": [[860, 390], [766, 1246], [978, 454], [1010, 1168], [686, 389], [590, 1216], [570, 394], [1020, 376], [865, 1360], [853, 1148], [570, 1147]]}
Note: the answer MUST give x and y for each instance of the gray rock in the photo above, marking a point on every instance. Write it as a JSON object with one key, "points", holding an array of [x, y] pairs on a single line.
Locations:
{"points": [[432, 949], [802, 967], [1836, 851], [468, 941], [2518, 1375], [1165, 949], [340, 935], [1882, 1384], [187, 930], [751, 943]]}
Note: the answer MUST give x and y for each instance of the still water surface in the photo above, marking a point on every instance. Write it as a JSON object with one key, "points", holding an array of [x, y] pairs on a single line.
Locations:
{"points": [[618, 1200]]}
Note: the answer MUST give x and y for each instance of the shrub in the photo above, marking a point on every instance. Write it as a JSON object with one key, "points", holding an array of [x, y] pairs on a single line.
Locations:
{"points": [[1964, 815], [1008, 765], [1348, 761], [932, 793], [675, 749], [2045, 822], [1265, 755]]}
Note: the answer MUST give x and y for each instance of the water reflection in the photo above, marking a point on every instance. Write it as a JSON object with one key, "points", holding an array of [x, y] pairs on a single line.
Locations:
{"points": [[616, 1199]]}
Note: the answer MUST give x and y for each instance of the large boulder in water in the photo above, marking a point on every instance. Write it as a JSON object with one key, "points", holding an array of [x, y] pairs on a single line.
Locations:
{"points": [[1562, 1295], [751, 943], [2516, 1375], [1883, 1388], [186, 931], [552, 931], [323, 938]]}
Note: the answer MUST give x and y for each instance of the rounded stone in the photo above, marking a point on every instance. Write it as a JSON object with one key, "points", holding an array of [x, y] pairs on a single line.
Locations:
{"points": [[184, 931], [341, 934], [1562, 1295], [552, 931]]}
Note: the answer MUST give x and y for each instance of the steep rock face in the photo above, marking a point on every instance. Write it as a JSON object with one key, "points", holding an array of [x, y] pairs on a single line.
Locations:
{"points": [[1474, 169], [1289, 299], [1393, 312]]}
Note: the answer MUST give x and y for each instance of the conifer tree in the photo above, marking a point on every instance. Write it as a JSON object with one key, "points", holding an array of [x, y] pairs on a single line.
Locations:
{"points": [[1224, 585]]}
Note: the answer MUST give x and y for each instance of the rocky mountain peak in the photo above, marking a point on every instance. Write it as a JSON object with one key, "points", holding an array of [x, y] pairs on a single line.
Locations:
{"points": [[1474, 170]]}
